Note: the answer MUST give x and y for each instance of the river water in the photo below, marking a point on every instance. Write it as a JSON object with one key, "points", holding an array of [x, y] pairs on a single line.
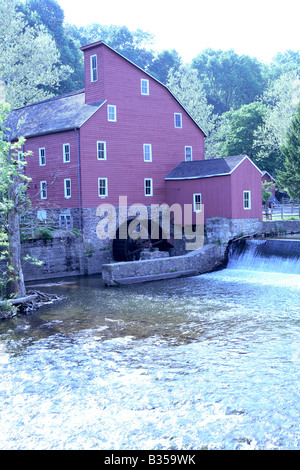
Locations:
{"points": [[208, 362]]}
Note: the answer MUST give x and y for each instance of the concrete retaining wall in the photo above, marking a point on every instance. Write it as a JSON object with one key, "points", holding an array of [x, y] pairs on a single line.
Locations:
{"points": [[280, 227], [206, 259]]}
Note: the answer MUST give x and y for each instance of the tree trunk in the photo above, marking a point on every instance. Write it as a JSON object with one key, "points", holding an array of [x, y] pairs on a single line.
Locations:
{"points": [[16, 284]]}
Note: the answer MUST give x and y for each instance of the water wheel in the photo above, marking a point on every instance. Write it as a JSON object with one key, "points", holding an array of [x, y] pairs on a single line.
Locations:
{"points": [[129, 249]]}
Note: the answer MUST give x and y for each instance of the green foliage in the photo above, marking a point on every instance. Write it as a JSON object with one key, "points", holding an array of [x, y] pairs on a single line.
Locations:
{"points": [[44, 233], [265, 193], [186, 86], [280, 100], [29, 59], [230, 80], [289, 179], [240, 128], [49, 15]]}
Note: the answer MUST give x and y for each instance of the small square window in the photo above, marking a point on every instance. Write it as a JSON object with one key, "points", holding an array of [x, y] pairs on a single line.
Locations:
{"points": [[178, 120], [65, 220], [101, 150], [112, 112], [144, 87], [102, 187], [43, 189], [67, 185], [247, 200], [197, 202], [147, 153], [94, 71], [42, 156], [188, 154], [148, 186], [66, 152]]}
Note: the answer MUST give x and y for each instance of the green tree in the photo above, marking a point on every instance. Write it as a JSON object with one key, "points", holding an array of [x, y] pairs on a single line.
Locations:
{"points": [[230, 80], [164, 63], [49, 15], [241, 126], [186, 86], [289, 179], [284, 62], [28, 58], [27, 67], [12, 190], [134, 45], [280, 101]]}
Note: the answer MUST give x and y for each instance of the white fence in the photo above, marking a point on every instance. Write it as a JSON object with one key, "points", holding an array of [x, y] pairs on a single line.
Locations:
{"points": [[282, 211]]}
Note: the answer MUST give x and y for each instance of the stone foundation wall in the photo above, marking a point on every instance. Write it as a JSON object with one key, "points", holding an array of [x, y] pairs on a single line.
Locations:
{"points": [[221, 230], [206, 259], [281, 227]]}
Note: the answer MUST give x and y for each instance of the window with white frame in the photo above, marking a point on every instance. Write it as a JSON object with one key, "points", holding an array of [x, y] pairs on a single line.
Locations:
{"points": [[111, 112], [43, 189], [42, 156], [188, 153], [67, 187], [147, 153], [66, 152], [144, 86], [197, 202], [178, 120], [148, 185], [247, 199], [101, 150], [94, 71], [102, 187]]}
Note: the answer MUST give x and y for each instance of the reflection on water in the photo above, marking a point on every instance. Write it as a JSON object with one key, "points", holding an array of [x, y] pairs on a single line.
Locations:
{"points": [[205, 362]]}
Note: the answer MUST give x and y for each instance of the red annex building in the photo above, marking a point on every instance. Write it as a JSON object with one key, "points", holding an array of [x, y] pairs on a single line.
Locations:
{"points": [[125, 134]]}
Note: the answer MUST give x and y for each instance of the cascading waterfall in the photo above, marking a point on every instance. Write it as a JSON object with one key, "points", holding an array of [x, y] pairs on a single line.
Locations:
{"points": [[269, 255]]}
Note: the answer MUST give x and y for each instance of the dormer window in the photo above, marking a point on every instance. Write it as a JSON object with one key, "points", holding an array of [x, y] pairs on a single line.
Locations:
{"points": [[94, 72]]}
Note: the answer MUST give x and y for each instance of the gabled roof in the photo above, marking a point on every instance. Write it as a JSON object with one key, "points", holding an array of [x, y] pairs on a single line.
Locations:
{"points": [[99, 43], [265, 173], [207, 168], [62, 113]]}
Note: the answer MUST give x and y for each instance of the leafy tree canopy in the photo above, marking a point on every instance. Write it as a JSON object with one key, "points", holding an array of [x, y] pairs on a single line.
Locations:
{"points": [[29, 59], [230, 80], [289, 178]]}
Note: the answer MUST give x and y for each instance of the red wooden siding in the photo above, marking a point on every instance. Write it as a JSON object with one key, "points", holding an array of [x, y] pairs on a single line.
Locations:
{"points": [[141, 119], [222, 196], [55, 170], [246, 177]]}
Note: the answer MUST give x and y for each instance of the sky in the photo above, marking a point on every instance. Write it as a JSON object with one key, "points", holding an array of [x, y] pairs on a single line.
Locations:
{"points": [[258, 28]]}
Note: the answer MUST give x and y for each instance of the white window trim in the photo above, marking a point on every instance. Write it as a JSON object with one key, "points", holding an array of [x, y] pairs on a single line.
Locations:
{"points": [[102, 196], [64, 153], [104, 150], [151, 186], [178, 114], [249, 199], [109, 106], [43, 189], [188, 147], [94, 68], [40, 156], [196, 203], [67, 196], [150, 152], [144, 84]]}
